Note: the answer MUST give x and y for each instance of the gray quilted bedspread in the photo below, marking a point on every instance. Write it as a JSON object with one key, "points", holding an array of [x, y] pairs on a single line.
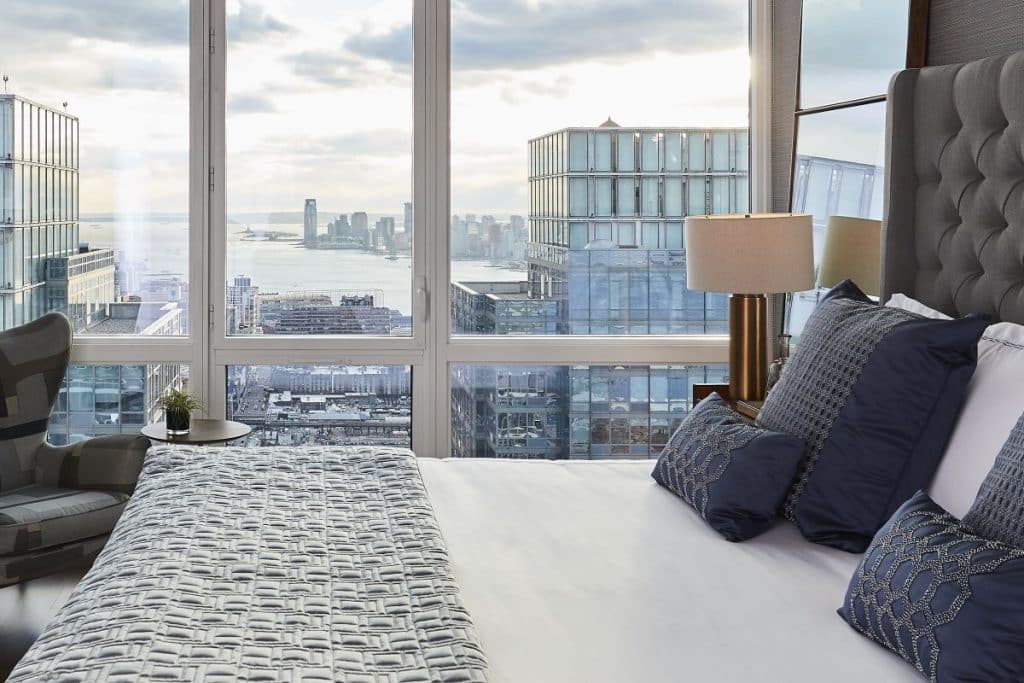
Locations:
{"points": [[300, 564]]}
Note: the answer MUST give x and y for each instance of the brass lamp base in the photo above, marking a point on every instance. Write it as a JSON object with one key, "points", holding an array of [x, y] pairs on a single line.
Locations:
{"points": [[748, 351]]}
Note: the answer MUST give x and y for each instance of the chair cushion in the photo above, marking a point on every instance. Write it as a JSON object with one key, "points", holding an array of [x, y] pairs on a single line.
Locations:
{"points": [[33, 517]]}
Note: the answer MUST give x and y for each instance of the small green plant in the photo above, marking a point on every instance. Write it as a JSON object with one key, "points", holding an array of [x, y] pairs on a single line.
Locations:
{"points": [[179, 402]]}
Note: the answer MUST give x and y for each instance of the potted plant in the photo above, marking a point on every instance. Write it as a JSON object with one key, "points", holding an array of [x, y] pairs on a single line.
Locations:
{"points": [[178, 407]]}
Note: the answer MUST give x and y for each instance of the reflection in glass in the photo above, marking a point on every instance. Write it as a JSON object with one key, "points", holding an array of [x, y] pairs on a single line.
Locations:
{"points": [[578, 411], [96, 400], [839, 172], [850, 50]]}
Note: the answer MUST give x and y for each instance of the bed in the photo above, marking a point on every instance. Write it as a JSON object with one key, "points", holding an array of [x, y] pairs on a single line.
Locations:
{"points": [[536, 571]]}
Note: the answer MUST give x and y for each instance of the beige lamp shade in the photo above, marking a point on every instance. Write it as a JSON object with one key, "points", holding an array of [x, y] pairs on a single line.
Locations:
{"points": [[750, 254], [853, 249]]}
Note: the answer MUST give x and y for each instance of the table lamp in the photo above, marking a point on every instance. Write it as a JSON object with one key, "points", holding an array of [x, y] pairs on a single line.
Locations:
{"points": [[853, 249], [749, 256]]}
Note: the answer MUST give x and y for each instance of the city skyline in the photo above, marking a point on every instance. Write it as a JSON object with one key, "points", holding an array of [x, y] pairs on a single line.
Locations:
{"points": [[302, 60]]}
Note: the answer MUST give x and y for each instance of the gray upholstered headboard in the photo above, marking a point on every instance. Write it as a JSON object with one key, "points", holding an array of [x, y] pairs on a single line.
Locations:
{"points": [[953, 234]]}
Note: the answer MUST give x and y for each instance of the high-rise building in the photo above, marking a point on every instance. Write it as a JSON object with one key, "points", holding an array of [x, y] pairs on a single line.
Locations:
{"points": [[605, 255], [111, 399], [38, 202], [310, 232], [81, 285], [361, 226], [407, 220], [243, 306]]}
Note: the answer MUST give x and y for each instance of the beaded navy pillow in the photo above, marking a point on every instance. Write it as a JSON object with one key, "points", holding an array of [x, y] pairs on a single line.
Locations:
{"points": [[731, 472], [943, 598], [874, 391], [998, 511]]}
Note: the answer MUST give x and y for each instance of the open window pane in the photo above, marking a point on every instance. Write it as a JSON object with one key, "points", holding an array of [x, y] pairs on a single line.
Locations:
{"points": [[548, 79], [96, 400], [850, 50], [319, 168], [577, 411], [325, 405], [94, 172]]}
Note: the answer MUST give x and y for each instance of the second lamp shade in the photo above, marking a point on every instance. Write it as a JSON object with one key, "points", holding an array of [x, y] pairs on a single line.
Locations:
{"points": [[749, 254], [853, 249]]}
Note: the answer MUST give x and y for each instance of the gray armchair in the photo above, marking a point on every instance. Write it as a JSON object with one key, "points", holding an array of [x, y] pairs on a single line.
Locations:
{"points": [[58, 505]]}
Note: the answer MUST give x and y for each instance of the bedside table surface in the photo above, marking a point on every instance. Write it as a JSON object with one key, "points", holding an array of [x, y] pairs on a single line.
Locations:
{"points": [[202, 432]]}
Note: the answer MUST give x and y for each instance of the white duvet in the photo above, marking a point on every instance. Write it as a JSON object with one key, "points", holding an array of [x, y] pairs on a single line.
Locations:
{"points": [[589, 571]]}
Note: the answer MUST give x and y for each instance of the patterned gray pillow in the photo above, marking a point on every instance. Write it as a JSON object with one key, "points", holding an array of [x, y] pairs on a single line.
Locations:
{"points": [[998, 511]]}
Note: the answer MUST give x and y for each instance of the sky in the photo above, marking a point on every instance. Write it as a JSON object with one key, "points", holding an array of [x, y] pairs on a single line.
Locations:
{"points": [[319, 93]]}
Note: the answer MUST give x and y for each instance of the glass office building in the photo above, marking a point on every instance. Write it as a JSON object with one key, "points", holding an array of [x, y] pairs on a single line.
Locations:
{"points": [[605, 257], [95, 400], [607, 207], [38, 202]]}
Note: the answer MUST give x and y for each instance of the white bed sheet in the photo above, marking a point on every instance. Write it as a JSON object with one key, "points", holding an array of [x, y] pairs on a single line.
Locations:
{"points": [[589, 571]]}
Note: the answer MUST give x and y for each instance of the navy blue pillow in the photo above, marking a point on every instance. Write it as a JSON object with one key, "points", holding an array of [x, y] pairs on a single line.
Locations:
{"points": [[875, 392], [946, 600], [733, 473]]}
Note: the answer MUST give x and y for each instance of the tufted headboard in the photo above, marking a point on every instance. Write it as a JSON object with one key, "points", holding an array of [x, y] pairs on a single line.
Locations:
{"points": [[953, 234]]}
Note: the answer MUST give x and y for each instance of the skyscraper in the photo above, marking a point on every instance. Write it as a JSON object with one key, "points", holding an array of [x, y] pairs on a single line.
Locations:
{"points": [[42, 265], [605, 250], [361, 227], [310, 228], [407, 220], [243, 306]]}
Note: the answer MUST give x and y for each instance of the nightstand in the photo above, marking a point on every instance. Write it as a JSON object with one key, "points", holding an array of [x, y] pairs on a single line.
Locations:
{"points": [[748, 409]]}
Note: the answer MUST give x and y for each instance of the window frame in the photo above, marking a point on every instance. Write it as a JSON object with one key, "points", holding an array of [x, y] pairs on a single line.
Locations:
{"points": [[432, 349]]}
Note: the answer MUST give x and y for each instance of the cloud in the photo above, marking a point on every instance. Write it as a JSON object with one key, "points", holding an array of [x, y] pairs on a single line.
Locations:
{"points": [[154, 22], [137, 74], [529, 34], [253, 23], [369, 143], [250, 103], [329, 68]]}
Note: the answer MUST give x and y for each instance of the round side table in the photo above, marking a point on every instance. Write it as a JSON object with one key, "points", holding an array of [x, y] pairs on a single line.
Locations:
{"points": [[202, 432]]}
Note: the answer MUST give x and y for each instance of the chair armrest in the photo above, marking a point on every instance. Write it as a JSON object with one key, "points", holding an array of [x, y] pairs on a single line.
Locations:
{"points": [[104, 463]]}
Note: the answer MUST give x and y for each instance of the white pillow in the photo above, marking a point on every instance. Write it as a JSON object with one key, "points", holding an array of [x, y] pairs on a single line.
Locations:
{"points": [[994, 403]]}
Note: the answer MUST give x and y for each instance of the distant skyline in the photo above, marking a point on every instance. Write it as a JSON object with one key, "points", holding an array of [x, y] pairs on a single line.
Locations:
{"points": [[319, 93]]}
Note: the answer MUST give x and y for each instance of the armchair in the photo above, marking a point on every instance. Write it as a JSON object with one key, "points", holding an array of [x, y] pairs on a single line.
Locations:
{"points": [[58, 505]]}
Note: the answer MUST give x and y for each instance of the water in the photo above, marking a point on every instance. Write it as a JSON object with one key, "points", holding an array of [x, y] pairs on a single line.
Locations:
{"points": [[161, 246]]}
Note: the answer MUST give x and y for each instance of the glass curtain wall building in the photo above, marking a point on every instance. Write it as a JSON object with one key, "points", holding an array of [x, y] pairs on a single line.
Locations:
{"points": [[605, 256], [95, 400]]}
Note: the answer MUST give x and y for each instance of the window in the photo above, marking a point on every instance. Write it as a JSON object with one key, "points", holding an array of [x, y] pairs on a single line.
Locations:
{"points": [[298, 196], [570, 411], [96, 400], [94, 193], [319, 236], [324, 405], [841, 174]]}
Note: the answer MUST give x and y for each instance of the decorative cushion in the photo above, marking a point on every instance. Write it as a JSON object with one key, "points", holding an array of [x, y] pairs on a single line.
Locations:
{"points": [[34, 517], [875, 392], [998, 512], [993, 405], [733, 473], [946, 600]]}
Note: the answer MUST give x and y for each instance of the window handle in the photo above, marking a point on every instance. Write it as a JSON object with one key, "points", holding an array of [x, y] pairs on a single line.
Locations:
{"points": [[422, 299]]}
